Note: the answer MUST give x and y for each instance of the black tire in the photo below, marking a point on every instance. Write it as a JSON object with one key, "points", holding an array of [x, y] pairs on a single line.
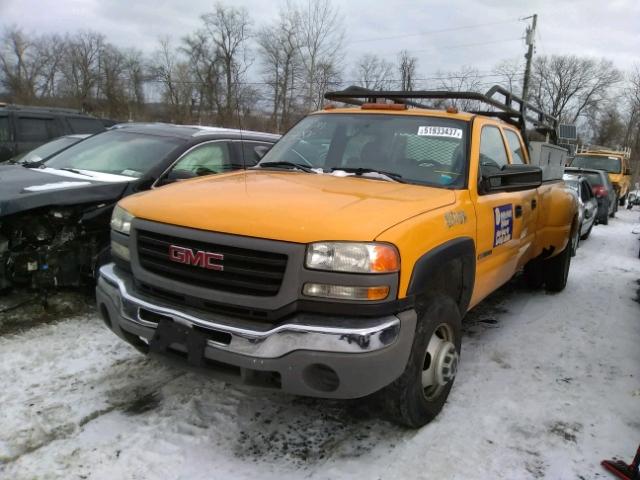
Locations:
{"points": [[406, 401], [605, 219], [587, 233], [623, 200], [556, 269]]}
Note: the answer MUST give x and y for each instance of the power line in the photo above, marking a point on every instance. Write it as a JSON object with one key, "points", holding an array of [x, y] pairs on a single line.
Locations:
{"points": [[451, 47], [470, 75], [432, 32]]}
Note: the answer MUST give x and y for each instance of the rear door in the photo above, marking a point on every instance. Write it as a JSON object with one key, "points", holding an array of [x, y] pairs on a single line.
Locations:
{"points": [[526, 209], [33, 130], [80, 124], [7, 146]]}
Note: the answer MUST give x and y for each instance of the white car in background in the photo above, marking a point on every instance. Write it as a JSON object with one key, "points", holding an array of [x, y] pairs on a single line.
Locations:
{"points": [[587, 203]]}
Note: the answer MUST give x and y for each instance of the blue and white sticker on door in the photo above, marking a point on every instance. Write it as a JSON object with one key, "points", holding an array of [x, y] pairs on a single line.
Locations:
{"points": [[503, 224]]}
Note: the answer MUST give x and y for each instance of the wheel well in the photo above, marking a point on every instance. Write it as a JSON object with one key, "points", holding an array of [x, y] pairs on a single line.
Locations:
{"points": [[449, 269]]}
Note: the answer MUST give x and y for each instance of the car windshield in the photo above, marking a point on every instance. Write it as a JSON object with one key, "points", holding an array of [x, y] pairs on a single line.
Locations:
{"points": [[46, 150], [414, 149], [116, 152], [609, 164]]}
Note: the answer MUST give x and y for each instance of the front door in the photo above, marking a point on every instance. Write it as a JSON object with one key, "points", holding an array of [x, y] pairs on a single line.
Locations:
{"points": [[499, 219]]}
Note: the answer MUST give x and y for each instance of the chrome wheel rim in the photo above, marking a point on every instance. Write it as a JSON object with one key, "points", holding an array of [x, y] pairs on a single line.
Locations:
{"points": [[440, 363]]}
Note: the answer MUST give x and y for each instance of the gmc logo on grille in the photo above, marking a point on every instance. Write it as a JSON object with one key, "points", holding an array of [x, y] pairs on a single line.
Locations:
{"points": [[199, 258]]}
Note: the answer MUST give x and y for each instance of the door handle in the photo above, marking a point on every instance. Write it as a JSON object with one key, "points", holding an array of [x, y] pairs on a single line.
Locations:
{"points": [[518, 211], [534, 204]]}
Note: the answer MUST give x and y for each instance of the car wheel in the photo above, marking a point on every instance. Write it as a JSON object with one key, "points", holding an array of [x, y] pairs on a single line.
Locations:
{"points": [[419, 394], [623, 200], [605, 219], [587, 233], [556, 269]]}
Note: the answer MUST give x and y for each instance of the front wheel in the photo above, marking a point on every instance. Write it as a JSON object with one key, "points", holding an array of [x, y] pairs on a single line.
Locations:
{"points": [[623, 200], [419, 394]]}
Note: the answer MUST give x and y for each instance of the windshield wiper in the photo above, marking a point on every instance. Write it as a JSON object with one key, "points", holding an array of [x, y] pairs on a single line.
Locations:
{"points": [[284, 164], [73, 170], [359, 171]]}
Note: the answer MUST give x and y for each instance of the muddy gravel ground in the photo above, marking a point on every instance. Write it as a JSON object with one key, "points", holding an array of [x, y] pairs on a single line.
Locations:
{"points": [[549, 385]]}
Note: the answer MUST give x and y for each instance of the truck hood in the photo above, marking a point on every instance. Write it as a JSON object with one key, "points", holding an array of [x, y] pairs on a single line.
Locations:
{"points": [[23, 189], [289, 206]]}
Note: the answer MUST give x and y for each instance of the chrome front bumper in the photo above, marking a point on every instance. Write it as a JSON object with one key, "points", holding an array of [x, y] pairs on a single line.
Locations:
{"points": [[303, 332]]}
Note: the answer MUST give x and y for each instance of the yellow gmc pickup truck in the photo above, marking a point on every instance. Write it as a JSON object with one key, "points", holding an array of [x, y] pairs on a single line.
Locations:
{"points": [[614, 162], [342, 265]]}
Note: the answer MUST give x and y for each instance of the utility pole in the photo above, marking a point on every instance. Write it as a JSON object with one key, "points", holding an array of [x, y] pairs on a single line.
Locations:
{"points": [[530, 40]]}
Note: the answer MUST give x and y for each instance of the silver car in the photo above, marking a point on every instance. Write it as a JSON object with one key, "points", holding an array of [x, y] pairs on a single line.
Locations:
{"points": [[588, 205]]}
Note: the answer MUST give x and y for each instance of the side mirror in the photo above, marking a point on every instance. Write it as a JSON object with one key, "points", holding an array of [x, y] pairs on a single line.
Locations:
{"points": [[512, 178], [175, 175], [261, 151]]}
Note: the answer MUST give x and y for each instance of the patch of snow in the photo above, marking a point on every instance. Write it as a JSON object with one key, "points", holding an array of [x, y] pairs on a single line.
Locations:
{"points": [[55, 186], [547, 388], [99, 176]]}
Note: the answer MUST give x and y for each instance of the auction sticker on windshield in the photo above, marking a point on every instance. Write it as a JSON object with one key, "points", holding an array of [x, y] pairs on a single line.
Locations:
{"points": [[503, 225], [433, 131]]}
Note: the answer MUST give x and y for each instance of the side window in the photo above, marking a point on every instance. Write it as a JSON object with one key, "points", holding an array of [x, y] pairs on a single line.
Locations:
{"points": [[85, 125], [493, 155], [515, 147], [4, 129], [585, 191], [251, 156], [35, 129], [204, 160]]}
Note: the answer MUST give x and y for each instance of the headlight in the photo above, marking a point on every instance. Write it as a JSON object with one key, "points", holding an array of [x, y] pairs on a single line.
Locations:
{"points": [[353, 257], [121, 220]]}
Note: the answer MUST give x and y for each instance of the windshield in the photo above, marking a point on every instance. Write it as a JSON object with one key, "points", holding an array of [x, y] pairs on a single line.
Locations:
{"points": [[609, 164], [417, 149], [116, 152], [46, 150]]}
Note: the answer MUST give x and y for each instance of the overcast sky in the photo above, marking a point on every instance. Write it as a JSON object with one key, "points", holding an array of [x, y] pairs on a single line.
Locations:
{"points": [[445, 35]]}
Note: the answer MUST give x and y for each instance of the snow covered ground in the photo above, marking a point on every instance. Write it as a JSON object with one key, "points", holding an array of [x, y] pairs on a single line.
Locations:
{"points": [[549, 385]]}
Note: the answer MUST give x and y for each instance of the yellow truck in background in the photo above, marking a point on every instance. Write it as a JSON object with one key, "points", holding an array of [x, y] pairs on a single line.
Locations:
{"points": [[342, 265], [614, 161]]}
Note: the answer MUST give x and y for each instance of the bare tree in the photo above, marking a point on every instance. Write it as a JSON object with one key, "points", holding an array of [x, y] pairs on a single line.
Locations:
{"points": [[374, 72], [81, 67], [206, 68], [281, 64], [467, 79], [566, 86], [177, 84], [321, 36], [632, 131], [407, 66], [228, 29], [509, 74], [20, 65]]}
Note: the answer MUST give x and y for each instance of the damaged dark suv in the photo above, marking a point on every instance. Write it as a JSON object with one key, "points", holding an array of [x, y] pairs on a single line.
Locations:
{"points": [[54, 214]]}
